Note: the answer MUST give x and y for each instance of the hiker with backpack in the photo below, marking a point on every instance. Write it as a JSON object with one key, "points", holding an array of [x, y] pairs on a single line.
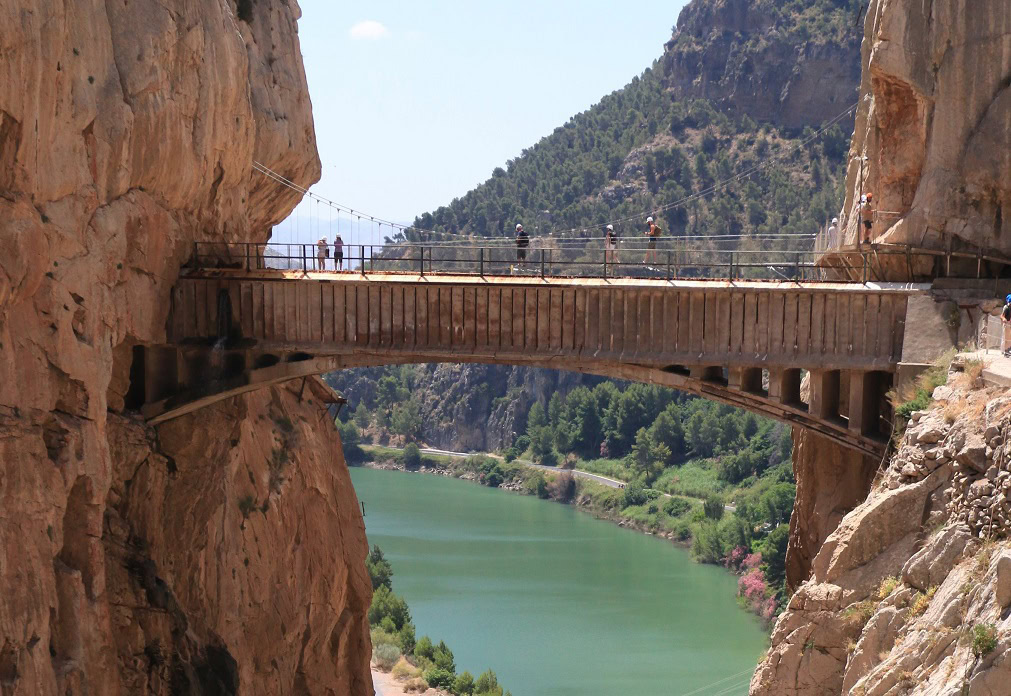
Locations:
{"points": [[610, 245], [653, 233]]}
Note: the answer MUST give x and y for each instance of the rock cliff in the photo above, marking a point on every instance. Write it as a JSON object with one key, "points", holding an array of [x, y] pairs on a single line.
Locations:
{"points": [[794, 64], [132, 561], [910, 593], [931, 133]]}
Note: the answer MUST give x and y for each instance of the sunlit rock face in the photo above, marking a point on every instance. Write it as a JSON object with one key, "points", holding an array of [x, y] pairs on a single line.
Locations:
{"points": [[127, 132], [934, 123]]}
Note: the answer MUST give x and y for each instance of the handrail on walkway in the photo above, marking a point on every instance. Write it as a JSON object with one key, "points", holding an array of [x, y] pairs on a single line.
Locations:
{"points": [[669, 259]]}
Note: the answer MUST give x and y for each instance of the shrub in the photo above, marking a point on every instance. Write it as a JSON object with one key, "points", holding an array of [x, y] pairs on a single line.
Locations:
{"points": [[635, 494], [888, 586], [411, 457], [387, 604], [380, 636], [984, 639], [493, 478], [416, 686], [404, 670], [487, 683], [380, 571], [439, 678], [859, 614], [385, 656], [713, 507], [707, 546], [442, 656], [676, 507], [922, 601], [537, 485], [424, 648], [405, 638], [563, 487]]}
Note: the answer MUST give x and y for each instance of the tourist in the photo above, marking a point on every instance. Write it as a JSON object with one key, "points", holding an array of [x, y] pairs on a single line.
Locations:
{"points": [[522, 242], [322, 251], [338, 253], [610, 244], [653, 233], [833, 230], [1005, 322], [867, 215]]}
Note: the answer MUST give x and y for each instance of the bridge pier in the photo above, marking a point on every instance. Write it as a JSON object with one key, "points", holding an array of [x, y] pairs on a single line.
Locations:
{"points": [[866, 401], [706, 374], [824, 399], [784, 385], [746, 379]]}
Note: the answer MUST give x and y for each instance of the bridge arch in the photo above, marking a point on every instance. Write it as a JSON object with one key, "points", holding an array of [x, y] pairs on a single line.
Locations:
{"points": [[744, 343]]}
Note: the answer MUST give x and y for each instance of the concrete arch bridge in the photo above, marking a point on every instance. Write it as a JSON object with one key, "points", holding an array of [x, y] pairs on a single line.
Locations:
{"points": [[744, 343]]}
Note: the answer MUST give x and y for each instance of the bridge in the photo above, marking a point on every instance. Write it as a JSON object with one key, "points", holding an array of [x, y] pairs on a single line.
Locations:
{"points": [[746, 343]]}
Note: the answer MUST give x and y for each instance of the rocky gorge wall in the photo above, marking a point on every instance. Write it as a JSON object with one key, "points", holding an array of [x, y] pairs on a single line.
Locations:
{"points": [[133, 559], [930, 141]]}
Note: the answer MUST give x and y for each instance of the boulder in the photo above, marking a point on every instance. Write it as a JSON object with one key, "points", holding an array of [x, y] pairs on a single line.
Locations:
{"points": [[931, 564]]}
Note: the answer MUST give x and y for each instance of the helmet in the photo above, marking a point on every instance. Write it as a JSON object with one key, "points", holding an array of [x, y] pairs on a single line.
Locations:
{"points": [[869, 196], [835, 220], [610, 228], [519, 227], [649, 219], [1008, 299]]}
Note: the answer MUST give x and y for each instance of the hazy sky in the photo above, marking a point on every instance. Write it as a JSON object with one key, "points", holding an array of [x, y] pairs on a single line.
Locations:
{"points": [[416, 102]]}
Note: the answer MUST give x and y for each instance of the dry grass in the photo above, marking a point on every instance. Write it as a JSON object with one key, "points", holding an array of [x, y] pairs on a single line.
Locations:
{"points": [[851, 646], [915, 395], [857, 615], [921, 601], [416, 686], [888, 586], [404, 670]]}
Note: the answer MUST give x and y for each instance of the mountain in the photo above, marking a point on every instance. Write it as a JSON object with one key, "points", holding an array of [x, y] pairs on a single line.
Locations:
{"points": [[741, 83]]}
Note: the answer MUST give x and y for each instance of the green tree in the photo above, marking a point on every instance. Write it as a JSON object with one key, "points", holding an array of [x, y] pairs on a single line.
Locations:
{"points": [[406, 419], [411, 456], [667, 430], [536, 418], [424, 648], [387, 604], [380, 570], [464, 684], [361, 417], [443, 658], [713, 508], [773, 550], [487, 683], [778, 502], [647, 457], [707, 544]]}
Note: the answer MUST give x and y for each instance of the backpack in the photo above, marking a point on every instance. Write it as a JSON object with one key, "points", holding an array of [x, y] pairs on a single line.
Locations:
{"points": [[1006, 313], [326, 252]]}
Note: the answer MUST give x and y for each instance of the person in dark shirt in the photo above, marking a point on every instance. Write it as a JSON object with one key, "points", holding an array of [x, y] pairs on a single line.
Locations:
{"points": [[653, 233], [522, 242]]}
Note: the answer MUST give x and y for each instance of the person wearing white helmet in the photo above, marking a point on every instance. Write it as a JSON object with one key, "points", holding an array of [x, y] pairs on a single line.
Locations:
{"points": [[610, 244], [833, 230], [653, 232], [522, 242], [322, 252]]}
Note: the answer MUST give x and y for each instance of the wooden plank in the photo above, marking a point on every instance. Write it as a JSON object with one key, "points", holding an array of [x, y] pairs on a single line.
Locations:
{"points": [[790, 324], [817, 345], [829, 346], [736, 322], [643, 339], [724, 316], [804, 324], [189, 305], [619, 310], [386, 315], [326, 295], [245, 318], [200, 308], [858, 329], [696, 339], [284, 310], [568, 322], [684, 307], [315, 316], [363, 317], [579, 323], [897, 326], [763, 324], [495, 317], [397, 316], [411, 315], [445, 317], [554, 332], [670, 322], [844, 341], [375, 315], [506, 322], [658, 316], [458, 315], [481, 316], [434, 321], [531, 333], [469, 317], [779, 338], [872, 324], [517, 318], [593, 314], [749, 345], [421, 312]]}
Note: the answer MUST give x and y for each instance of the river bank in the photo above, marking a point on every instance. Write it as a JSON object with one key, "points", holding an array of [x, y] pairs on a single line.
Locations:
{"points": [[671, 518]]}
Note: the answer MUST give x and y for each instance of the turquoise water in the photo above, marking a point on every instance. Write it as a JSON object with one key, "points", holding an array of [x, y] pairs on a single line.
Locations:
{"points": [[556, 602]]}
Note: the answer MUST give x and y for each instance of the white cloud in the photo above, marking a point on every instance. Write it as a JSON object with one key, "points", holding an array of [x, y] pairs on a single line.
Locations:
{"points": [[369, 30]]}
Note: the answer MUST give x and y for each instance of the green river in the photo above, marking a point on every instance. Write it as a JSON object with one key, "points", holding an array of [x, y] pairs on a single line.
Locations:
{"points": [[556, 602]]}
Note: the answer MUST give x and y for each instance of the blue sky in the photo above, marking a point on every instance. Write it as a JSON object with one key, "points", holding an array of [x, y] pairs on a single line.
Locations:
{"points": [[416, 102]]}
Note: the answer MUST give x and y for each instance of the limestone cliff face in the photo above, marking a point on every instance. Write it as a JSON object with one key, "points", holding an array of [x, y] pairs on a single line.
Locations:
{"points": [[933, 125], [900, 588], [793, 66], [127, 131]]}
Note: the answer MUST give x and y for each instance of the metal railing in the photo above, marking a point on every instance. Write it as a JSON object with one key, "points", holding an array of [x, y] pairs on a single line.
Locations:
{"points": [[668, 259]]}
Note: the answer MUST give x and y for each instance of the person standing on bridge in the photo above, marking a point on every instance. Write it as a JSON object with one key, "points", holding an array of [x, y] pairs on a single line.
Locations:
{"points": [[833, 230], [867, 215], [610, 244], [522, 242], [338, 252], [322, 251], [1005, 326], [653, 233]]}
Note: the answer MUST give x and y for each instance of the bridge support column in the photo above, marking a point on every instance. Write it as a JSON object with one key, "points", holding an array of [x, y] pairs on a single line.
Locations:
{"points": [[706, 374], [784, 385], [746, 379], [824, 393], [867, 393]]}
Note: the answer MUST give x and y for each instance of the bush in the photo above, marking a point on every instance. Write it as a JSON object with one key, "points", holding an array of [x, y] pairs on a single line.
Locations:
{"points": [[405, 638], [424, 648], [563, 487], [385, 656], [411, 456], [713, 507], [380, 571], [416, 686], [984, 639], [538, 485], [676, 507], [635, 494], [439, 678], [404, 670], [707, 546], [387, 604], [487, 683], [464, 684]]}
